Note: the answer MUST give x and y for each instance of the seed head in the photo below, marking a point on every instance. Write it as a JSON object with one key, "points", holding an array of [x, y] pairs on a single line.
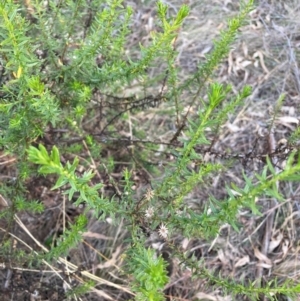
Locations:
{"points": [[149, 194], [149, 213], [163, 231]]}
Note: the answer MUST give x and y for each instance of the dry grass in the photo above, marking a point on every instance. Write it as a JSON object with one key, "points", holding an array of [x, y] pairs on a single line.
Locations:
{"points": [[265, 56]]}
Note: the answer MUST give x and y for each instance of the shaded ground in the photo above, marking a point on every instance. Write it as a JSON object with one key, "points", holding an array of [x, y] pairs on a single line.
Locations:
{"points": [[265, 56]]}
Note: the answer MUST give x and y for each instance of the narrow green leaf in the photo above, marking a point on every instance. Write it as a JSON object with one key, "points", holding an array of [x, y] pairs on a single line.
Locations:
{"points": [[55, 155], [62, 180]]}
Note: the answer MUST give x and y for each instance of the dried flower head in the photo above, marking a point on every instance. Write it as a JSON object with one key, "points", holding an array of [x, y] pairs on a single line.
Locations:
{"points": [[149, 212], [149, 194], [163, 231], [179, 212]]}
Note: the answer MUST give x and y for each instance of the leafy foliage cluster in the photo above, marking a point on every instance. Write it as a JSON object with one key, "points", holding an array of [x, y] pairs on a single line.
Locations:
{"points": [[63, 60]]}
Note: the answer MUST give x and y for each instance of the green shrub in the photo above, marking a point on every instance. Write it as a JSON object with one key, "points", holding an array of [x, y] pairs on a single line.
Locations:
{"points": [[61, 61]]}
